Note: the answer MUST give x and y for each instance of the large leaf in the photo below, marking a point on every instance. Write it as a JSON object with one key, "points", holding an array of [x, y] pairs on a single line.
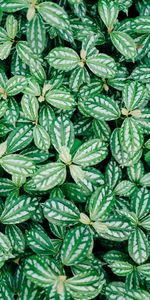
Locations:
{"points": [[17, 164], [133, 95], [48, 176], [61, 212], [100, 203], [90, 153], [62, 133], [138, 246], [53, 14], [15, 85], [60, 99], [102, 108], [18, 210], [19, 138], [30, 107], [41, 138], [140, 202], [38, 271], [86, 284], [16, 238], [142, 24], [124, 44], [13, 5], [131, 136], [108, 11], [36, 34], [63, 58], [39, 242], [102, 65], [79, 242]]}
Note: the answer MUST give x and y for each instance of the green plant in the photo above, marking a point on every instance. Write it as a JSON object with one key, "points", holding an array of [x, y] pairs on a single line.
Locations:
{"points": [[74, 150]]}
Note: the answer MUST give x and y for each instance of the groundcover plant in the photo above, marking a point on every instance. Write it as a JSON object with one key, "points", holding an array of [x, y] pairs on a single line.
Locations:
{"points": [[74, 150]]}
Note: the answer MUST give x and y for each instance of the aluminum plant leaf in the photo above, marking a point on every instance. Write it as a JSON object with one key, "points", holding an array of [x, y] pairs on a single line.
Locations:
{"points": [[101, 203], [90, 153], [108, 11], [79, 241], [124, 44], [102, 65], [54, 14], [38, 271], [48, 176], [18, 209], [63, 58], [102, 108], [17, 164], [19, 138], [41, 138], [61, 212], [138, 246], [62, 133]]}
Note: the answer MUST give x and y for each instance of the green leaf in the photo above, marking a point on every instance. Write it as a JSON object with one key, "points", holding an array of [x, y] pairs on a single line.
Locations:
{"points": [[29, 290], [100, 203], [40, 243], [102, 65], [113, 174], [11, 26], [18, 210], [36, 34], [17, 164], [79, 241], [53, 14], [136, 172], [5, 49], [90, 153], [141, 24], [118, 229], [61, 212], [63, 58], [15, 85], [16, 238], [19, 138], [101, 130], [87, 178], [30, 107], [121, 268], [102, 108], [48, 176], [125, 188], [144, 270], [138, 246], [62, 133], [124, 44], [108, 11], [145, 180], [13, 5], [6, 186], [115, 290], [86, 284], [131, 136], [140, 202], [46, 117], [78, 77], [41, 138], [60, 99], [134, 94], [136, 294], [38, 271], [73, 192], [141, 73]]}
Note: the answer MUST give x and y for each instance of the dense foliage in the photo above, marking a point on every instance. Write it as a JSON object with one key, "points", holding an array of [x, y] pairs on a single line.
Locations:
{"points": [[74, 150]]}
